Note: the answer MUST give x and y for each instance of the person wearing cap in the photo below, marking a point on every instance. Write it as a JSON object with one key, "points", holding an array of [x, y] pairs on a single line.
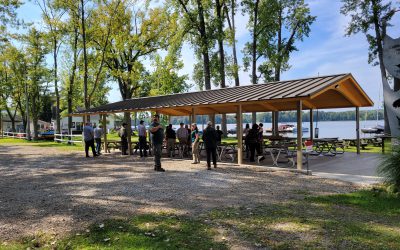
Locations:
{"points": [[210, 141], [124, 139], [157, 138], [195, 144], [88, 136], [142, 139]]}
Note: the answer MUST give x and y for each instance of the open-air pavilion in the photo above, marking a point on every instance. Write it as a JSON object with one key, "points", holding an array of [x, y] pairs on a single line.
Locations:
{"points": [[324, 92]]}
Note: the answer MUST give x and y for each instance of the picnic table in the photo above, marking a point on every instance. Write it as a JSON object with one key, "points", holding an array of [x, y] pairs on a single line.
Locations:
{"points": [[116, 144], [328, 146], [227, 150], [383, 138]]}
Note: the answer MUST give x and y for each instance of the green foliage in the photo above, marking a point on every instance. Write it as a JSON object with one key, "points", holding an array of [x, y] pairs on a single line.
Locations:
{"points": [[8, 17], [279, 24], [136, 37], [389, 168], [370, 17]]}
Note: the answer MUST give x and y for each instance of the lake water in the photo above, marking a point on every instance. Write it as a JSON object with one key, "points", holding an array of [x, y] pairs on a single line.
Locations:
{"points": [[341, 129]]}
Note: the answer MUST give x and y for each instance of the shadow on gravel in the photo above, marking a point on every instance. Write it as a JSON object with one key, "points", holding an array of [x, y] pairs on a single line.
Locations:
{"points": [[63, 192]]}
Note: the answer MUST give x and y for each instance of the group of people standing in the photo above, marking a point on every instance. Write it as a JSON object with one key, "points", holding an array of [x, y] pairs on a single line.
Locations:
{"points": [[187, 137], [92, 134], [254, 141]]}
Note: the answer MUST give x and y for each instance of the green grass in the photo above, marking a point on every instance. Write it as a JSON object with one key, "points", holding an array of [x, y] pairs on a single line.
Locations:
{"points": [[40, 143], [374, 201], [367, 219], [150, 231]]}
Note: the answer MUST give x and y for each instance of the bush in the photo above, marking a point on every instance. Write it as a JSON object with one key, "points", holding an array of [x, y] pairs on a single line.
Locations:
{"points": [[390, 168]]}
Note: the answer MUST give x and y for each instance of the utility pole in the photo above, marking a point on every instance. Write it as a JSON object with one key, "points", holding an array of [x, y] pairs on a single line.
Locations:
{"points": [[28, 130]]}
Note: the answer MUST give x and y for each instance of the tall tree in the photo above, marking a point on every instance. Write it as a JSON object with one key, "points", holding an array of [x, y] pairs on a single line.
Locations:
{"points": [[371, 17], [138, 33], [252, 8], [38, 74], [220, 20], [52, 15], [85, 60], [271, 20], [230, 16], [196, 18]]}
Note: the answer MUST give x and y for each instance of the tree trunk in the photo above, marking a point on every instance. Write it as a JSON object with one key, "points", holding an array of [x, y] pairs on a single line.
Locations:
{"points": [[204, 47], [12, 118], [34, 118], [235, 61], [254, 54], [221, 56], [85, 70], [72, 79], [58, 123], [379, 40]]}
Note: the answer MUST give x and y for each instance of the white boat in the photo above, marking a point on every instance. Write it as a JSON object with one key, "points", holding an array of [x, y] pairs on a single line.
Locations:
{"points": [[378, 129]]}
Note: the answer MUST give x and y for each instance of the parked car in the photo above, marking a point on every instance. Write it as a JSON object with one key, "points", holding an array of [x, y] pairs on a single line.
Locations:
{"points": [[47, 135]]}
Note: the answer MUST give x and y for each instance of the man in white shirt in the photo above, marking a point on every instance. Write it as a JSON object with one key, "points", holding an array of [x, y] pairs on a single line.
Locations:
{"points": [[98, 133], [142, 139]]}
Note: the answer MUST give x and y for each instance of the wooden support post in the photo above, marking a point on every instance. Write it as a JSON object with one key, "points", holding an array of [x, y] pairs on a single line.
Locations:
{"points": [[105, 133], [299, 136], [193, 116], [311, 124], [212, 119], [358, 129], [239, 132], [169, 119], [276, 121], [273, 123]]}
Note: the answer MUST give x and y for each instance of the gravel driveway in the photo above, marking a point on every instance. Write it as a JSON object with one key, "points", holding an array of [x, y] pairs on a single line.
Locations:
{"points": [[52, 191]]}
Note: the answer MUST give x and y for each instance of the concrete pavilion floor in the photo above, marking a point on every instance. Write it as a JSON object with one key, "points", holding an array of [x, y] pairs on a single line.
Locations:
{"points": [[360, 169]]}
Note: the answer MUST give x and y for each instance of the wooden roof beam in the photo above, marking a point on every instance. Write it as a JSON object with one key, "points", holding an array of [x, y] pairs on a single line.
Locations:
{"points": [[348, 96], [309, 104], [183, 111], [208, 110], [268, 106], [172, 112]]}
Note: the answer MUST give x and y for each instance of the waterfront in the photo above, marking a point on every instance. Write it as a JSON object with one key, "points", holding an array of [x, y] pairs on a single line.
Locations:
{"points": [[341, 129]]}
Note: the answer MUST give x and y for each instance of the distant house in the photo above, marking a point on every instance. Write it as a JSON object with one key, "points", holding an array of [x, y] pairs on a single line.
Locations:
{"points": [[77, 122], [7, 124]]}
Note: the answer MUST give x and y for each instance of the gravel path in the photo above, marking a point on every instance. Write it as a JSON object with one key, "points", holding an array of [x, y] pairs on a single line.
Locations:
{"points": [[51, 191]]}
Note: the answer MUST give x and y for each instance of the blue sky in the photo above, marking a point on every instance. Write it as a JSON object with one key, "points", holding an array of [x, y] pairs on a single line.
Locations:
{"points": [[327, 50]]}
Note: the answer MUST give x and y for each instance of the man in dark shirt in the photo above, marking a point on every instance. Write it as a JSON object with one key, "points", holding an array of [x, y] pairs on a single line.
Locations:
{"points": [[210, 141], [170, 135], [157, 139], [219, 135]]}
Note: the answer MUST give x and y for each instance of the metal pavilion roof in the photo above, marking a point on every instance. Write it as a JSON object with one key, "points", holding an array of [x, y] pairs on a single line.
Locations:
{"points": [[333, 91]]}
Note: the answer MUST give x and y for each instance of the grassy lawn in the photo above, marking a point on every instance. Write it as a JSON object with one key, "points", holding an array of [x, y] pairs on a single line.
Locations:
{"points": [[361, 220], [51, 144]]}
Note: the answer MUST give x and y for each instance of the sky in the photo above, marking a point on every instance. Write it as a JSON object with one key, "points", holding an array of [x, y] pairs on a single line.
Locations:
{"points": [[326, 51]]}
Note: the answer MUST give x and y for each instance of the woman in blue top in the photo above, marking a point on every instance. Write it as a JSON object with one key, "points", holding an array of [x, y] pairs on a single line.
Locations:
{"points": [[195, 144]]}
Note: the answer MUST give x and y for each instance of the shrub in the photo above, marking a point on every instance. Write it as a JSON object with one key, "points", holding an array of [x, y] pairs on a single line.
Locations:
{"points": [[390, 168]]}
